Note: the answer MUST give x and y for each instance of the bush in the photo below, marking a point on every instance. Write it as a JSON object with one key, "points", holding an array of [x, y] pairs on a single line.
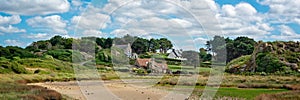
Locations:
{"points": [[104, 56], [17, 68], [65, 55], [139, 71], [267, 62], [37, 71], [292, 59]]}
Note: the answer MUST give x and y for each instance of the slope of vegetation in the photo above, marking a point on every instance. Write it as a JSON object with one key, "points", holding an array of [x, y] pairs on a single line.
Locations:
{"points": [[270, 57]]}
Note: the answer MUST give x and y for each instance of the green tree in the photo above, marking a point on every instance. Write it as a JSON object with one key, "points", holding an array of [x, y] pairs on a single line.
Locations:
{"points": [[239, 47], [204, 56], [165, 44], [140, 46], [68, 43], [108, 43], [57, 40], [218, 48], [234, 48], [153, 45], [101, 42], [14, 51]]}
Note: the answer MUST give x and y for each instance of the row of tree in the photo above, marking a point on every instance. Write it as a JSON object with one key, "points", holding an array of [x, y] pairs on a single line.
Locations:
{"points": [[139, 45]]}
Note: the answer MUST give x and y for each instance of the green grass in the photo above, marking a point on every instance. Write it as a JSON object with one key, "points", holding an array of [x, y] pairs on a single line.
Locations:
{"points": [[188, 68], [232, 92], [248, 94]]}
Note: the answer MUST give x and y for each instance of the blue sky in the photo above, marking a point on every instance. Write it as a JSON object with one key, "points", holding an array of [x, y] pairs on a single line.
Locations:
{"points": [[23, 21]]}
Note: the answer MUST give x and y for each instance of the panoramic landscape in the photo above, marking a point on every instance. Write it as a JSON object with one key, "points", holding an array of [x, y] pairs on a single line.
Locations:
{"points": [[149, 50]]}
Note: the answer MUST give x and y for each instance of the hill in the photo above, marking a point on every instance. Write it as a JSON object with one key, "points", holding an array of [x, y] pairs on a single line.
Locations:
{"points": [[269, 57]]}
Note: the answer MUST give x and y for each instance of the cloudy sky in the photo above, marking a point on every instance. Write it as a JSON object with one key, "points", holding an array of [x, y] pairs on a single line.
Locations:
{"points": [[188, 23]]}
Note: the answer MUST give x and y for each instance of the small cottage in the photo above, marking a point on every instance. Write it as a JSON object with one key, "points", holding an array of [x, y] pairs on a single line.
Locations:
{"points": [[176, 54]]}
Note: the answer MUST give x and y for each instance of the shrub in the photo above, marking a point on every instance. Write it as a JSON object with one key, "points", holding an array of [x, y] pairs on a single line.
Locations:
{"points": [[267, 62], [37, 71], [235, 65], [17, 68], [65, 55]]}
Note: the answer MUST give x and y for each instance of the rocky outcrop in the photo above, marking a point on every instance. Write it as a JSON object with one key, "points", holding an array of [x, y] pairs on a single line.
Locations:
{"points": [[288, 54]]}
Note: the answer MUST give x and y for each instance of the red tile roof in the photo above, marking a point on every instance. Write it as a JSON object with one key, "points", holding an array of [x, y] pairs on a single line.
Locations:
{"points": [[142, 62]]}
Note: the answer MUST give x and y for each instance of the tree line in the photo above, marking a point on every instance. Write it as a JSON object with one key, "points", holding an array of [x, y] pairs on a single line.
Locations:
{"points": [[234, 47]]}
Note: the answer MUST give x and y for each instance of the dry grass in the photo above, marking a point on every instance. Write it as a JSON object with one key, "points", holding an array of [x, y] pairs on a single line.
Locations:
{"points": [[292, 95], [31, 92]]}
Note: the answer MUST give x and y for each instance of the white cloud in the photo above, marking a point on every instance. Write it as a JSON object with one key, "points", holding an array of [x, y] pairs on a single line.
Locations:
{"points": [[34, 7], [183, 23], [48, 21], [76, 3], [243, 19], [53, 22], [37, 36], [282, 11], [91, 19], [92, 33], [11, 29], [245, 9], [119, 32], [10, 42], [286, 33], [199, 40], [229, 10], [8, 20], [6, 23], [297, 20], [113, 5], [283, 7]]}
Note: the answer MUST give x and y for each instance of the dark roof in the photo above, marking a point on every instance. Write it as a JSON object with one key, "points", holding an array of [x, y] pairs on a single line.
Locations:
{"points": [[177, 53]]}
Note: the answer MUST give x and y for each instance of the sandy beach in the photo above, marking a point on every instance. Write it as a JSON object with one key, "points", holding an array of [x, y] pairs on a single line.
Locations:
{"points": [[107, 90]]}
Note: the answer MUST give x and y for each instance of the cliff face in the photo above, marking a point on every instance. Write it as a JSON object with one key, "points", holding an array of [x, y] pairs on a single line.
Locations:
{"points": [[270, 57]]}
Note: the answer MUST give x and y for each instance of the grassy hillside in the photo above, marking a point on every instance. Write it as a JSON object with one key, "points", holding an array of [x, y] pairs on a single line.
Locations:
{"points": [[34, 66], [16, 72]]}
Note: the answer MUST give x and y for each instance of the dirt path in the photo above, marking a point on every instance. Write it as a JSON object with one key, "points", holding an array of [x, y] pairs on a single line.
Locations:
{"points": [[110, 90]]}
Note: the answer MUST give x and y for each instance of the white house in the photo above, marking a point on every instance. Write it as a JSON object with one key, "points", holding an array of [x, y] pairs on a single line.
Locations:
{"points": [[176, 54]]}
